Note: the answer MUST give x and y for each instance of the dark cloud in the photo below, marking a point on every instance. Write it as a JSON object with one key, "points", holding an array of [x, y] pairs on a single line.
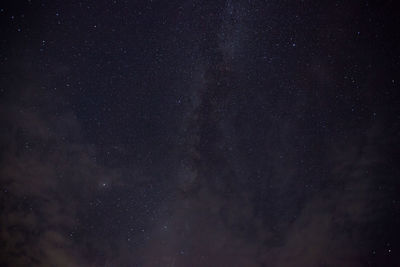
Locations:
{"points": [[47, 175]]}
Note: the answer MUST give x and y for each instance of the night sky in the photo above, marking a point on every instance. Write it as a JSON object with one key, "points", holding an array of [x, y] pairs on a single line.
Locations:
{"points": [[188, 133]]}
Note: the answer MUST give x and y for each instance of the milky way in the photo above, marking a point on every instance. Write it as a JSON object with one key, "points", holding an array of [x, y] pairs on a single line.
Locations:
{"points": [[199, 133]]}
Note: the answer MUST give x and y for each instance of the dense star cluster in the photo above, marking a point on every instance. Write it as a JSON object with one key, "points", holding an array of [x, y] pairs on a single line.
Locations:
{"points": [[199, 133]]}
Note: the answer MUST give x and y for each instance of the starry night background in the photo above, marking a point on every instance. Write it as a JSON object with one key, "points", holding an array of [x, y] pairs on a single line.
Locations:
{"points": [[199, 133]]}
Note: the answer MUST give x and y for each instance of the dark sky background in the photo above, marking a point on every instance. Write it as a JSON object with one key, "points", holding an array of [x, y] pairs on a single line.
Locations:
{"points": [[199, 133]]}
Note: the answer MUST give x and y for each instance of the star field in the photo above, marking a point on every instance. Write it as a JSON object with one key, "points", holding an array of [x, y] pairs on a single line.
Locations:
{"points": [[199, 133]]}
